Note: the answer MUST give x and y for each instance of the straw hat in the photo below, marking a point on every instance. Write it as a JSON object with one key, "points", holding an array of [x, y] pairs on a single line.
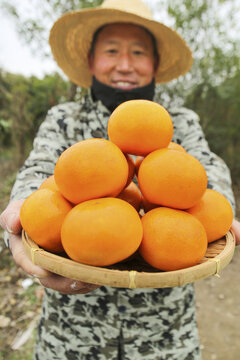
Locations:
{"points": [[72, 34]]}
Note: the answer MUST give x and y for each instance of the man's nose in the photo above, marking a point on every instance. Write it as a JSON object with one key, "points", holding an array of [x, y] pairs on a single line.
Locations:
{"points": [[124, 63]]}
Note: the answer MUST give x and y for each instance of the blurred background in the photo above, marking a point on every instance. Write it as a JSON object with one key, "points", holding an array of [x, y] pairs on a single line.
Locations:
{"points": [[31, 83]]}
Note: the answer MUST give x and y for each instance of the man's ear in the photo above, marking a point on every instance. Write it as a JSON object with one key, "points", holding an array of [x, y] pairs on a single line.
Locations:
{"points": [[90, 63]]}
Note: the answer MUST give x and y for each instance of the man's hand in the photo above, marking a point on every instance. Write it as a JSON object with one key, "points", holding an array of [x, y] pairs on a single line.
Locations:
{"points": [[236, 229], [10, 222]]}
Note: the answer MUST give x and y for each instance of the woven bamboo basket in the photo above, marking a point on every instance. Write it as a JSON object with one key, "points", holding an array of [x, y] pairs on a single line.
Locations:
{"points": [[134, 272]]}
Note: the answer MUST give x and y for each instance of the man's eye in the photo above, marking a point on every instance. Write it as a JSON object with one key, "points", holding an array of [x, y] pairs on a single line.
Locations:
{"points": [[111, 51], [138, 52]]}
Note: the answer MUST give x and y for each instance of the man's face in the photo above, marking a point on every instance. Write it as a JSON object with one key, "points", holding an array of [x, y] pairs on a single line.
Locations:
{"points": [[123, 57]]}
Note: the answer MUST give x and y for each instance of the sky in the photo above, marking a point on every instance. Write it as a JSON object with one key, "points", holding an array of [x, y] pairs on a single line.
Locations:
{"points": [[16, 57]]}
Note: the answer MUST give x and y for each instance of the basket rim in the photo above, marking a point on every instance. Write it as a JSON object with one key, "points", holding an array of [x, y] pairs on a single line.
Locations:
{"points": [[131, 278]]}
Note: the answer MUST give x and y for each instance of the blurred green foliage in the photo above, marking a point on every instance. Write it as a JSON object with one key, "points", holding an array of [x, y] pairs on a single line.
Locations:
{"points": [[219, 111], [24, 103]]}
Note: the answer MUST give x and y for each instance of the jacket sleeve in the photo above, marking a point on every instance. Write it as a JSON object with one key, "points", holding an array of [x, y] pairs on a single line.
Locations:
{"points": [[55, 135], [188, 132]]}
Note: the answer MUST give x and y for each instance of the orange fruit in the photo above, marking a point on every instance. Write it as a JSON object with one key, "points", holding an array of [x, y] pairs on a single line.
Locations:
{"points": [[215, 213], [49, 183], [91, 169], [172, 239], [101, 232], [131, 169], [42, 215], [139, 127], [174, 146], [172, 178], [132, 195]]}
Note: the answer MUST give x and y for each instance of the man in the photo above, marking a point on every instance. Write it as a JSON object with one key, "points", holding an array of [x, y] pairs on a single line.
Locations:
{"points": [[120, 55]]}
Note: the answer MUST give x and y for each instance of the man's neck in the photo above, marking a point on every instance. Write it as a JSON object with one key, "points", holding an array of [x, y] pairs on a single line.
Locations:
{"points": [[112, 97]]}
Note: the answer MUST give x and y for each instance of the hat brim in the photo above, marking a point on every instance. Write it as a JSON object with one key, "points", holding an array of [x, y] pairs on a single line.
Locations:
{"points": [[71, 37]]}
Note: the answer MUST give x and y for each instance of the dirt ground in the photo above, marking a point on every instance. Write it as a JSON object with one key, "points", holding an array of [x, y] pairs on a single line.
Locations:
{"points": [[218, 313], [218, 309], [217, 301]]}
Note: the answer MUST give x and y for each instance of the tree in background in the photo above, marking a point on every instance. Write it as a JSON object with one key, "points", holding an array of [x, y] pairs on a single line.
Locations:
{"points": [[24, 103], [212, 87], [219, 110], [211, 30], [34, 19]]}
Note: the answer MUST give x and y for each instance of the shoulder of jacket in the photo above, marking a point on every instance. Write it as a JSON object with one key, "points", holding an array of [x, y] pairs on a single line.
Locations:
{"points": [[183, 113], [67, 108]]}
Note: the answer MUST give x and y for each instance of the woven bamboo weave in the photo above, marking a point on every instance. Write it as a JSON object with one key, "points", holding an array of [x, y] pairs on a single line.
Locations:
{"points": [[134, 272]]}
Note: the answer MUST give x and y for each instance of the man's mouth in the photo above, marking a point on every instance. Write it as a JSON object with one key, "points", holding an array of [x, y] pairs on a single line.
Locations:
{"points": [[126, 85]]}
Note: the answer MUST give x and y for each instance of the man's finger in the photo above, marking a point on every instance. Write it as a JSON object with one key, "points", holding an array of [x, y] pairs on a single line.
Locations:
{"points": [[9, 219], [21, 259], [67, 286], [236, 229]]}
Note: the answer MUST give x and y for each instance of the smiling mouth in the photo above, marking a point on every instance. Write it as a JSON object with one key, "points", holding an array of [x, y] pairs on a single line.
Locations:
{"points": [[124, 85]]}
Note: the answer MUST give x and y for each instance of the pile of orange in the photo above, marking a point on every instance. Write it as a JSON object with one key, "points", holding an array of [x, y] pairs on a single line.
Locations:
{"points": [[92, 209]]}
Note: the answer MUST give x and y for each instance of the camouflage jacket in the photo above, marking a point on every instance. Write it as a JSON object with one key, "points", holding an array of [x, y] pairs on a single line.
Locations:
{"points": [[113, 323], [69, 123]]}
